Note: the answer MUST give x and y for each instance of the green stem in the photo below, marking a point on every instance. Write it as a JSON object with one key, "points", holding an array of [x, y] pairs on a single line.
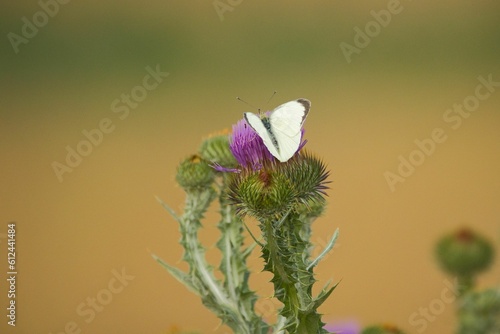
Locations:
{"points": [[286, 255], [233, 264], [277, 266], [212, 293], [465, 284]]}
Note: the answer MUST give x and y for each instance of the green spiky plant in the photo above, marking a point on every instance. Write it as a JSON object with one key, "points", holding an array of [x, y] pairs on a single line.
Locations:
{"points": [[285, 199], [479, 312], [465, 254]]}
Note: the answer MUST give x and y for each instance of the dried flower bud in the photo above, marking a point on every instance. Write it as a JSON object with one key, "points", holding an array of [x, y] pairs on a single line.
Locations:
{"points": [[194, 173], [464, 253]]}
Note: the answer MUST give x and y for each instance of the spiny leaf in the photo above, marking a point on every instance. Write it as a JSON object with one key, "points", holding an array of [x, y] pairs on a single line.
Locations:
{"points": [[169, 209], [323, 295], [328, 247], [179, 275]]}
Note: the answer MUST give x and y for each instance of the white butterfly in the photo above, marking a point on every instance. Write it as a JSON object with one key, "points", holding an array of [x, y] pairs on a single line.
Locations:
{"points": [[281, 130]]}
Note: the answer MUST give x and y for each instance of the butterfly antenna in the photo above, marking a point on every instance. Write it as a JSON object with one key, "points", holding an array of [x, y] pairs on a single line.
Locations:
{"points": [[274, 93], [248, 104], [245, 102]]}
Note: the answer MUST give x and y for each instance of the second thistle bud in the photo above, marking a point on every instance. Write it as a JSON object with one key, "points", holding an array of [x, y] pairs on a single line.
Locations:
{"points": [[194, 173], [215, 149], [464, 253]]}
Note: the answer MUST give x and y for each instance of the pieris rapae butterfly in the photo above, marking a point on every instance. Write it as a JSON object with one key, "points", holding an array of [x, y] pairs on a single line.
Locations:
{"points": [[281, 130]]}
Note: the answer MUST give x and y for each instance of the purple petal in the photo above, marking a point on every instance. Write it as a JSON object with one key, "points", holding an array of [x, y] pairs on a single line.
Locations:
{"points": [[247, 146], [220, 168], [344, 327]]}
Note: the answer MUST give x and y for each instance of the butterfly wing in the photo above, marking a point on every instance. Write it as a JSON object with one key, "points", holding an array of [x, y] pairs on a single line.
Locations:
{"points": [[286, 124], [256, 123]]}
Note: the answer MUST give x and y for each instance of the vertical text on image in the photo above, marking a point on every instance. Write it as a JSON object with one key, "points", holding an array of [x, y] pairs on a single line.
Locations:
{"points": [[11, 274]]}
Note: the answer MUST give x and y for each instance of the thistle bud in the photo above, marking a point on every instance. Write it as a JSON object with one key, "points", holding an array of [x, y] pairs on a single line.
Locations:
{"points": [[215, 149], [277, 187], [194, 173], [261, 193], [464, 253]]}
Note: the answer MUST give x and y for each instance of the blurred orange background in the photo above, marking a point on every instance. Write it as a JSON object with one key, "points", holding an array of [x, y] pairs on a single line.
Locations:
{"points": [[77, 231]]}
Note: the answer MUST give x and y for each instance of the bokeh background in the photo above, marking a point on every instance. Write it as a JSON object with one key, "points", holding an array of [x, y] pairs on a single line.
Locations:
{"points": [[103, 216]]}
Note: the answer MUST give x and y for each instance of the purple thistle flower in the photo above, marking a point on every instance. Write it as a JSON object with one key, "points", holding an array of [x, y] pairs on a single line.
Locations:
{"points": [[344, 327], [247, 147]]}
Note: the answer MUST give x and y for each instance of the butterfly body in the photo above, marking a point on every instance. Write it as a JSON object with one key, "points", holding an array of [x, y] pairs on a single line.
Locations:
{"points": [[281, 131]]}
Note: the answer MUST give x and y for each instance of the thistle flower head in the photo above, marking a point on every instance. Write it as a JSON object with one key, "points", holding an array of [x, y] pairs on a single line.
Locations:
{"points": [[247, 147], [264, 186]]}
